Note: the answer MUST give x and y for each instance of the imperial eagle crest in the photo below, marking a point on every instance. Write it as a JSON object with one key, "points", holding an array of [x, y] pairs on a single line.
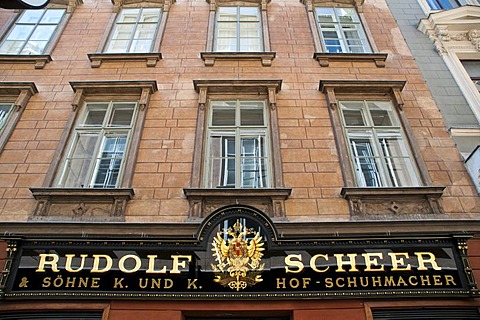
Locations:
{"points": [[238, 252]]}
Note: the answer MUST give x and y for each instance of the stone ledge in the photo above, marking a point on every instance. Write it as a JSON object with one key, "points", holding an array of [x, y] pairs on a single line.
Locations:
{"points": [[269, 200], [39, 60], [210, 57], [324, 58], [393, 202], [151, 59], [77, 204]]}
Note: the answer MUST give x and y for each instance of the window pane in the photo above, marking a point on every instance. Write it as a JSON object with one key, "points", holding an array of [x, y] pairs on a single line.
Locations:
{"points": [[122, 116], [31, 16], [251, 115], [78, 164], [382, 114], [365, 163], [52, 16], [249, 14], [347, 15], [11, 47], [145, 31], [34, 47], [222, 162], [5, 111], [325, 15], [353, 118], [43, 33], [108, 166], [399, 165], [252, 166], [223, 116], [95, 116], [123, 31], [150, 15], [227, 14], [141, 46], [20, 32], [128, 16]]}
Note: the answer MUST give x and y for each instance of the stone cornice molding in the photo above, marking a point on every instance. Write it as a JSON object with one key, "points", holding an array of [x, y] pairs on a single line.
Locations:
{"points": [[164, 4], [70, 4], [216, 3], [310, 4]]}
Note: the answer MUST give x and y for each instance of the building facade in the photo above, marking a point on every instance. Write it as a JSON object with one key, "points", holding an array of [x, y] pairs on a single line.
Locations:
{"points": [[228, 160], [446, 52]]}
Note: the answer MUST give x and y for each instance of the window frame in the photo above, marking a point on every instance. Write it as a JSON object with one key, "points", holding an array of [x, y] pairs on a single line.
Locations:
{"points": [[325, 58], [236, 131], [18, 94], [150, 58], [203, 200], [368, 202], [210, 55], [39, 60]]}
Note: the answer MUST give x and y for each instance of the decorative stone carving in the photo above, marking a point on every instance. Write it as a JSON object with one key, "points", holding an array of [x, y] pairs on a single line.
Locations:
{"points": [[62, 204]]}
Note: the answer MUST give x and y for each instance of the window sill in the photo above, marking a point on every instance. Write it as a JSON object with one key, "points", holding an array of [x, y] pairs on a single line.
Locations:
{"points": [[325, 58], [39, 60], [78, 204], [401, 202], [151, 59], [210, 57], [205, 201]]}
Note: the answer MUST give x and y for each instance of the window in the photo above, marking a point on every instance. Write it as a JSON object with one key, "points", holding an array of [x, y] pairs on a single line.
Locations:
{"points": [[32, 32], [134, 30], [383, 169], [238, 29], [14, 97], [96, 156], [135, 34], [442, 4], [91, 173], [238, 148], [473, 69], [378, 150], [238, 33], [341, 30]]}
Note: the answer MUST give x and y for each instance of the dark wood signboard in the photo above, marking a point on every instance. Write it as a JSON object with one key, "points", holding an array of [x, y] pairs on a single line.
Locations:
{"points": [[238, 254]]}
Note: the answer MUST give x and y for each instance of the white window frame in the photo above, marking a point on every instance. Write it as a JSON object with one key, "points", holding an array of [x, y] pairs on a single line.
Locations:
{"points": [[102, 131], [136, 25], [35, 25], [238, 133], [383, 164], [238, 28], [5, 115], [341, 34]]}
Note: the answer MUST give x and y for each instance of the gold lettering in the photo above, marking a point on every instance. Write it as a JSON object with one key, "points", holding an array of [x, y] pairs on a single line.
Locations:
{"points": [[69, 259], [43, 261], [437, 281], [142, 285], [337, 282], [294, 283], [449, 280], [118, 283], [292, 263], [401, 281], [328, 283], [422, 260], [410, 280], [177, 264], [151, 265], [95, 283], [398, 261], [156, 283], [83, 282], [341, 262], [371, 260], [362, 283], [313, 262], [376, 281], [389, 281], [70, 282], [352, 282], [281, 282], [121, 263], [96, 263], [306, 281], [192, 284], [46, 282], [168, 283]]}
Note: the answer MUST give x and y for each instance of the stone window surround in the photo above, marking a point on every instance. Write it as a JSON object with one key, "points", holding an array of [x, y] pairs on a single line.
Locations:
{"points": [[270, 200], [369, 202], [324, 58], [40, 60], [19, 94], [81, 200], [456, 39], [150, 58], [209, 56]]}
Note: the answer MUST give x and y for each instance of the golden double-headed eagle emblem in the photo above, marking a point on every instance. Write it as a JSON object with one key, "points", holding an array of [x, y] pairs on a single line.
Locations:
{"points": [[238, 252]]}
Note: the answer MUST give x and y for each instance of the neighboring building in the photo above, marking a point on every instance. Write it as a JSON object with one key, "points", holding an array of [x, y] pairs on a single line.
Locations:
{"points": [[254, 159], [444, 40]]}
